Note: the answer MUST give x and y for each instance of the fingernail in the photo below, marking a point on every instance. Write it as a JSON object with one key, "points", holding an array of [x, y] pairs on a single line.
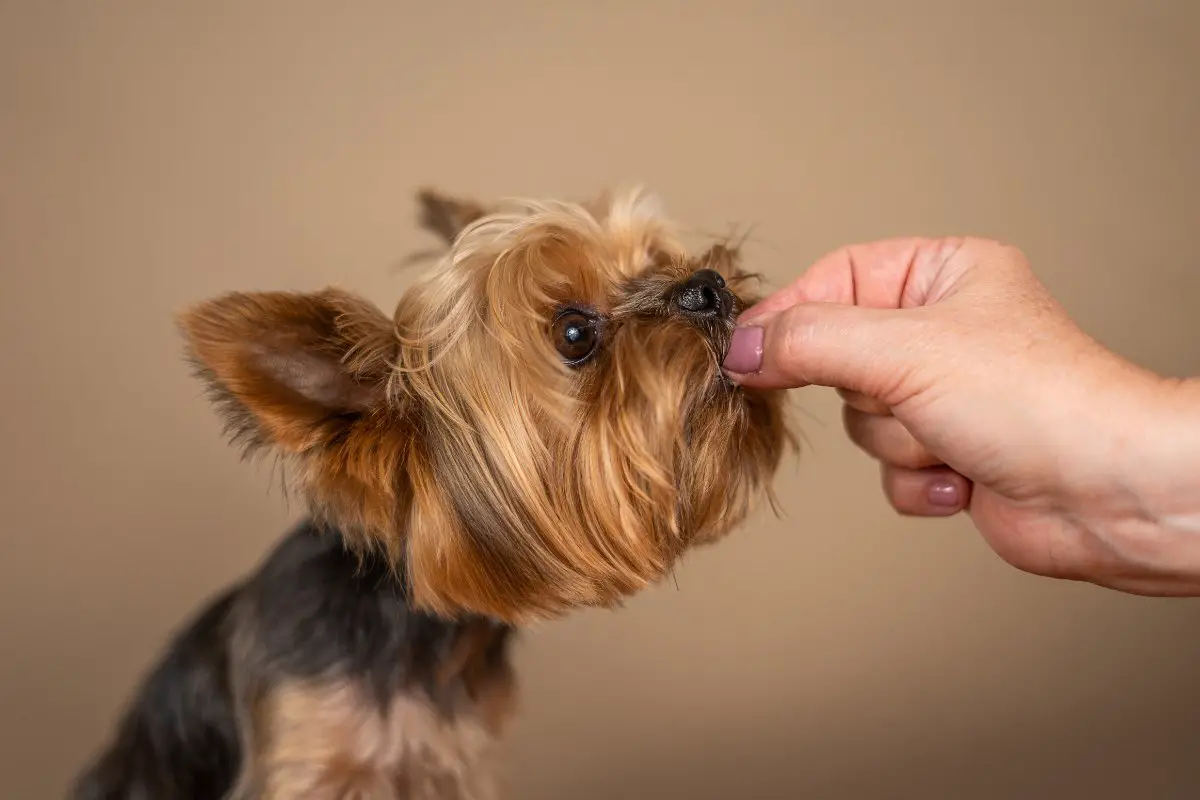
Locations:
{"points": [[943, 493], [745, 351]]}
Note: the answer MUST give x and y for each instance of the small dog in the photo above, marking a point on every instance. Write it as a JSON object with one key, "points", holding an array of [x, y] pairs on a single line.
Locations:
{"points": [[542, 426]]}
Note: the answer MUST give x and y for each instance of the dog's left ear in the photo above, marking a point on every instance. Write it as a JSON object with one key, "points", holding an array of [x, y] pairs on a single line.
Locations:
{"points": [[447, 216], [291, 371]]}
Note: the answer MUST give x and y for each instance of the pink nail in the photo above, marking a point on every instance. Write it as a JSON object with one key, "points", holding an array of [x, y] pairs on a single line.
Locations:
{"points": [[745, 351], [943, 493]]}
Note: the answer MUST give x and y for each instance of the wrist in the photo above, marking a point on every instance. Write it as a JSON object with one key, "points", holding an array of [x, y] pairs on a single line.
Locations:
{"points": [[1163, 468], [1150, 526]]}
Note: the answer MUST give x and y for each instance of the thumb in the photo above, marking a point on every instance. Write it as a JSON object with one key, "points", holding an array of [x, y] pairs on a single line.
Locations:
{"points": [[867, 350]]}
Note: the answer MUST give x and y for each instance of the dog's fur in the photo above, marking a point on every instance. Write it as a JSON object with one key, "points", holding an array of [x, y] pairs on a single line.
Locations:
{"points": [[467, 472]]}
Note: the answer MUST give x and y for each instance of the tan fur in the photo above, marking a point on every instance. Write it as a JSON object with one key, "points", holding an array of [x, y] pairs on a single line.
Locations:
{"points": [[329, 740], [516, 487]]}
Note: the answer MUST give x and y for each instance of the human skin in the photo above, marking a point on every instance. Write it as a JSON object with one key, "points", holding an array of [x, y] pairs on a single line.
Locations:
{"points": [[976, 392]]}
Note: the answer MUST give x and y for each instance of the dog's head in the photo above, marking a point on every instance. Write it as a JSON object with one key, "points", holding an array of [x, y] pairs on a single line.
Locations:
{"points": [[543, 424]]}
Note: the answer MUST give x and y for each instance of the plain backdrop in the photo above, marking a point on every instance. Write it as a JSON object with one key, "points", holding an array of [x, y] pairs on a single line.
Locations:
{"points": [[153, 154]]}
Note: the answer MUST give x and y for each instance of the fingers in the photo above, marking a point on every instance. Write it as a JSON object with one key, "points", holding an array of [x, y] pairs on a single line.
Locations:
{"points": [[864, 403], [839, 324], [932, 492], [915, 482], [865, 350], [886, 438], [891, 273]]}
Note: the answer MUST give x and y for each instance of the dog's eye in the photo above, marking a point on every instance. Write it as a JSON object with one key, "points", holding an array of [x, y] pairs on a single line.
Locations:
{"points": [[575, 336]]}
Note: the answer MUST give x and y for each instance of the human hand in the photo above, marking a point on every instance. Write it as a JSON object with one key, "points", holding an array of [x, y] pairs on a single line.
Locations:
{"points": [[976, 391]]}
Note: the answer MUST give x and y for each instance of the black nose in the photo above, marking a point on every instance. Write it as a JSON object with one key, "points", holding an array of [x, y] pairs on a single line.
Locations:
{"points": [[702, 294]]}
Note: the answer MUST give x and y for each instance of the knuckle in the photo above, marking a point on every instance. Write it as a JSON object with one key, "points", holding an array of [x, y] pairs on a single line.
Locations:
{"points": [[854, 423], [886, 439], [1010, 260], [914, 455], [864, 403], [898, 493], [1013, 254]]}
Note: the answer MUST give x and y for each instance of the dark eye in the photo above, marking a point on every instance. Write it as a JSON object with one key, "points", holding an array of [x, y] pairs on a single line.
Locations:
{"points": [[575, 336]]}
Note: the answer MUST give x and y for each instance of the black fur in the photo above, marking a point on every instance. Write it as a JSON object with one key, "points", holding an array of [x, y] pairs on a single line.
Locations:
{"points": [[312, 609], [180, 737]]}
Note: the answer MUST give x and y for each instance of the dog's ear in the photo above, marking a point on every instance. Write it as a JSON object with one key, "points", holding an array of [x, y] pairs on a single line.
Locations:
{"points": [[447, 216], [291, 371]]}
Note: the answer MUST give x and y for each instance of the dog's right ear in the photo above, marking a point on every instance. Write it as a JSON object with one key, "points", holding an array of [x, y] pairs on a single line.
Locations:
{"points": [[291, 372], [447, 216], [306, 377]]}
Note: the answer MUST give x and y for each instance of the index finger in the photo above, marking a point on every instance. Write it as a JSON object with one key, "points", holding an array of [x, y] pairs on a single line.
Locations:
{"points": [[889, 273]]}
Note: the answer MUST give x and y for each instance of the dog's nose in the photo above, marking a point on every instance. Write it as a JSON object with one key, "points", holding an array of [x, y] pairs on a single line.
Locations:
{"points": [[702, 295]]}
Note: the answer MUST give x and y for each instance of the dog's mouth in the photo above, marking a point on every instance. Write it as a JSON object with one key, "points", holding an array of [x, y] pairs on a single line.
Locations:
{"points": [[719, 333]]}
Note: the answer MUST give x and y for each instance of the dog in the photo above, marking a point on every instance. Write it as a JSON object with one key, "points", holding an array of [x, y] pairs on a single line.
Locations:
{"points": [[543, 425]]}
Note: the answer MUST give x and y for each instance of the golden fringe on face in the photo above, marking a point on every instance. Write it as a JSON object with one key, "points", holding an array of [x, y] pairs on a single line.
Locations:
{"points": [[500, 480]]}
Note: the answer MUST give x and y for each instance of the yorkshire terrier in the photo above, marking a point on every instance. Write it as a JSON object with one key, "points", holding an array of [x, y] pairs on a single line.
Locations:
{"points": [[543, 425]]}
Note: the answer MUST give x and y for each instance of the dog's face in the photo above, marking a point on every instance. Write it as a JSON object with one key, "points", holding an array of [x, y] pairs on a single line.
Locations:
{"points": [[542, 425]]}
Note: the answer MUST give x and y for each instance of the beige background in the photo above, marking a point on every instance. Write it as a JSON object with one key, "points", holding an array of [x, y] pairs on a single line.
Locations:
{"points": [[157, 153]]}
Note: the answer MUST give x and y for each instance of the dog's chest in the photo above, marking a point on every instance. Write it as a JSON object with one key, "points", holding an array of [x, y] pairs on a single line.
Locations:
{"points": [[361, 695], [334, 739]]}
